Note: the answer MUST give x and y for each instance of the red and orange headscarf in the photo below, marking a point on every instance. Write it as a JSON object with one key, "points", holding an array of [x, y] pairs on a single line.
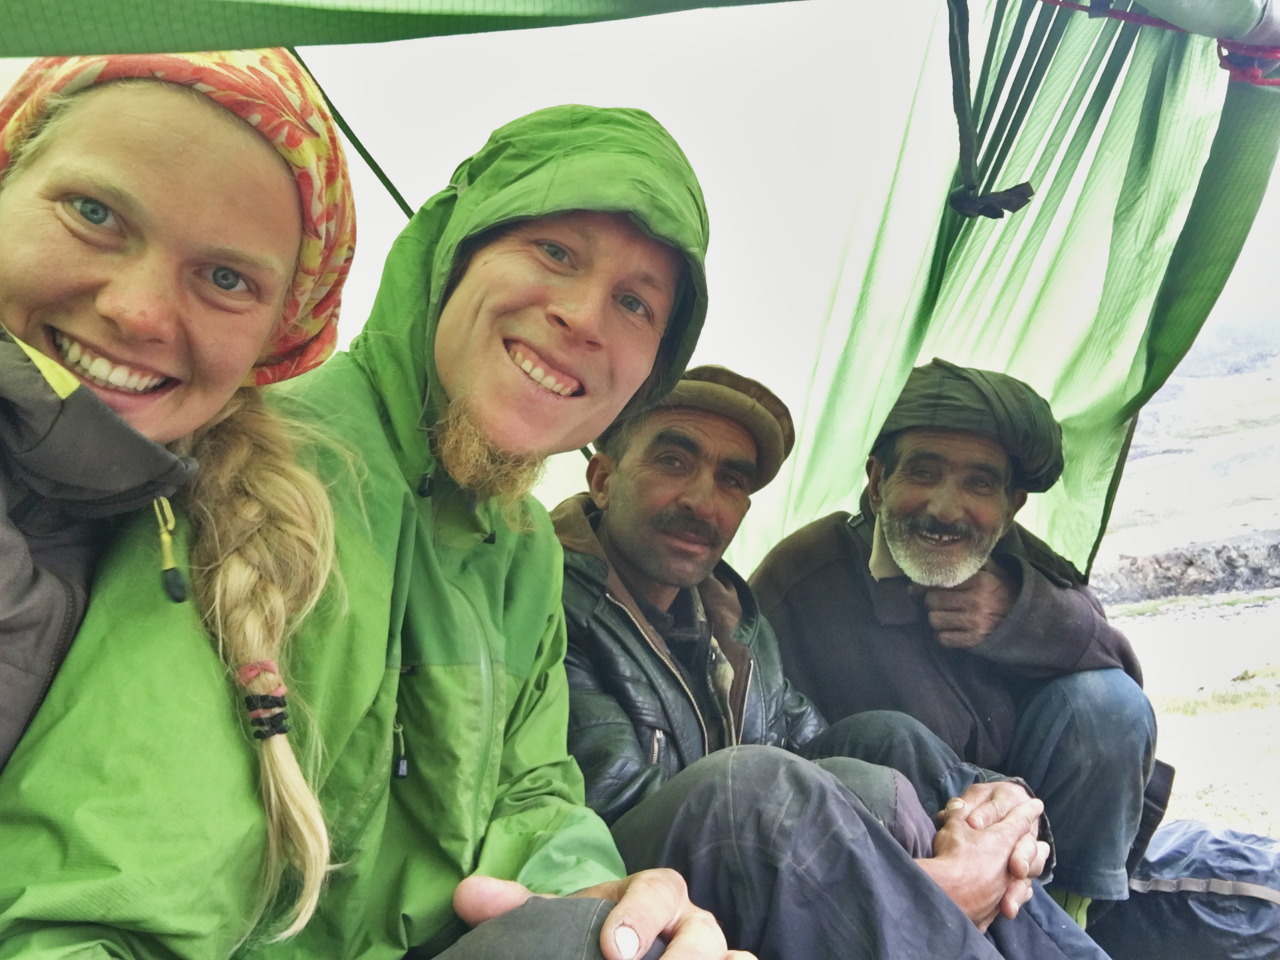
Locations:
{"points": [[272, 92]]}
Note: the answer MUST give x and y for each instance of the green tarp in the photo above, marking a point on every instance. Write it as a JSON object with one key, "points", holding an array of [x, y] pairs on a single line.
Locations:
{"points": [[48, 27], [1148, 168]]}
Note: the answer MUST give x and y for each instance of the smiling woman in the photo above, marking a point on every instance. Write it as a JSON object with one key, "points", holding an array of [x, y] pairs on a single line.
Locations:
{"points": [[176, 232], [159, 300]]}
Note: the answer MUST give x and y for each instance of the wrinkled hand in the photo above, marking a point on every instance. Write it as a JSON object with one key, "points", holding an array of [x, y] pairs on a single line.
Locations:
{"points": [[973, 865], [963, 616], [650, 904], [984, 804]]}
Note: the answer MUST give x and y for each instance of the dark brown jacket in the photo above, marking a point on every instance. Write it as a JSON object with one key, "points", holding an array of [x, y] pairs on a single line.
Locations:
{"points": [[852, 643]]}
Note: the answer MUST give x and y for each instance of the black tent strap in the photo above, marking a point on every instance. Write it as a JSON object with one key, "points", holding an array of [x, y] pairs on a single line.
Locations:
{"points": [[966, 200]]}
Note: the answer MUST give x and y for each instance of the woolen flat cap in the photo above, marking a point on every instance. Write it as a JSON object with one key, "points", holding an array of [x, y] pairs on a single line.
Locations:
{"points": [[945, 396], [745, 401]]}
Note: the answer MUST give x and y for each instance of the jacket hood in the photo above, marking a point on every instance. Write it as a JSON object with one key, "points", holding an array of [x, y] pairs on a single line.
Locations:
{"points": [[559, 159], [63, 443]]}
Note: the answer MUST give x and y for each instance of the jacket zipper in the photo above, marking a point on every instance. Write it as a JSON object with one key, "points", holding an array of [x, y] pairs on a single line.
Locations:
{"points": [[484, 664], [656, 752], [702, 723], [736, 728]]}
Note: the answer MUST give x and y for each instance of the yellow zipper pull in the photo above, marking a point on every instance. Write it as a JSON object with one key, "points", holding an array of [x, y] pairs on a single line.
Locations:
{"points": [[170, 576]]}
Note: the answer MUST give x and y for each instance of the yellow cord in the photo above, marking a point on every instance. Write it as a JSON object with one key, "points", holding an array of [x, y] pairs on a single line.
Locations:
{"points": [[164, 516], [174, 585]]}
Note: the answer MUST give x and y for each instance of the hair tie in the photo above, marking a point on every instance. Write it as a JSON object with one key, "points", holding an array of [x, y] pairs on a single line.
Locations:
{"points": [[266, 710], [251, 671]]}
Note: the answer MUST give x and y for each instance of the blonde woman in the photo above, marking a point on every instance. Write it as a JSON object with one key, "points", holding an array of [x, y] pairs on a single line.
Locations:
{"points": [[176, 231]]}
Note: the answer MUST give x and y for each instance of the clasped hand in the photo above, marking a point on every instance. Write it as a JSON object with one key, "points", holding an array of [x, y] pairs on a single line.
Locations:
{"points": [[986, 853], [963, 616]]}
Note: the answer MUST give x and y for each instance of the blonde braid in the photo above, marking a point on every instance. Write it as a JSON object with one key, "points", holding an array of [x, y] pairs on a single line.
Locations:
{"points": [[262, 550]]}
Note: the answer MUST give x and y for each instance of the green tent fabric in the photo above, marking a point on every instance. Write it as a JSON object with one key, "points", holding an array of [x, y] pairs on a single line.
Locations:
{"points": [[1148, 168], [57, 27]]}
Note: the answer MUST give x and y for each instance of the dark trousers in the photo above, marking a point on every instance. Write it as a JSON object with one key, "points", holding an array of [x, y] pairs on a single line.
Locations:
{"points": [[795, 867], [1085, 743]]}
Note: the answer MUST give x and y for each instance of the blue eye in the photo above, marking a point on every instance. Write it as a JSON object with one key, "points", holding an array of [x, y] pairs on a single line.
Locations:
{"points": [[632, 304], [92, 210], [554, 251], [224, 278]]}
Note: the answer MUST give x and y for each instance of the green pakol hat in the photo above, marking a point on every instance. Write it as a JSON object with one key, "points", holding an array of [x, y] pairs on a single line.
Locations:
{"points": [[945, 396]]}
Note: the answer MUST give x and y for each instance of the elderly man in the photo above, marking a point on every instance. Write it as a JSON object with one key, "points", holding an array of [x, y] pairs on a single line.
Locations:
{"points": [[934, 602], [688, 734]]}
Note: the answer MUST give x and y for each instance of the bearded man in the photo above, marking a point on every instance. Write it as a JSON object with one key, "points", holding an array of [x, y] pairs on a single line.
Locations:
{"points": [[933, 602]]}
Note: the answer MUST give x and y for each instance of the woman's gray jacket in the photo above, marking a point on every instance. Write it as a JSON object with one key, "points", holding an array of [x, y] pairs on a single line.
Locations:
{"points": [[66, 464]]}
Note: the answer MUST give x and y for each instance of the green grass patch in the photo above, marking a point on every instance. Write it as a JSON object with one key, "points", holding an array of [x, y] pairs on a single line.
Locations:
{"points": [[1161, 605], [1251, 690]]}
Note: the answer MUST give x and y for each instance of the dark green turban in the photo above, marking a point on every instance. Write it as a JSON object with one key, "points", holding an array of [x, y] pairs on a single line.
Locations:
{"points": [[941, 395]]}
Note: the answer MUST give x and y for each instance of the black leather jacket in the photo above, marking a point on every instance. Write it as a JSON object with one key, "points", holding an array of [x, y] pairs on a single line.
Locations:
{"points": [[633, 720]]}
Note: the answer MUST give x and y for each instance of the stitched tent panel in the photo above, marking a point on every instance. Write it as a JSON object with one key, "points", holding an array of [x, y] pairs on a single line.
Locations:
{"points": [[1091, 294], [1148, 168]]}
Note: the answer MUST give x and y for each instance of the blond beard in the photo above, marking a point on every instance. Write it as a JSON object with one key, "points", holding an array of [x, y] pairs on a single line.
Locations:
{"points": [[470, 458]]}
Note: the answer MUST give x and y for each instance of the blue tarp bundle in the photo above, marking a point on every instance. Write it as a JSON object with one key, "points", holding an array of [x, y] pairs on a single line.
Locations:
{"points": [[1200, 893]]}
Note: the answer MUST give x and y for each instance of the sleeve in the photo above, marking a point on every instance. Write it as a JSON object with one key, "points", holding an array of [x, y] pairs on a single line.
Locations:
{"points": [[541, 832], [39, 612], [1055, 629], [74, 941], [620, 770]]}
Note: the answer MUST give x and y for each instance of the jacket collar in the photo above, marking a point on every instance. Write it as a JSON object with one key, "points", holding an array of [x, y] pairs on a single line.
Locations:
{"points": [[65, 444], [725, 596]]}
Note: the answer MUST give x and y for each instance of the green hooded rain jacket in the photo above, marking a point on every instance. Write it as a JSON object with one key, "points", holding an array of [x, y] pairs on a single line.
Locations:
{"points": [[130, 822]]}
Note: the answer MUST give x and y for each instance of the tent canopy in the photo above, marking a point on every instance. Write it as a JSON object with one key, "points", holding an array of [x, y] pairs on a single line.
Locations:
{"points": [[1147, 164]]}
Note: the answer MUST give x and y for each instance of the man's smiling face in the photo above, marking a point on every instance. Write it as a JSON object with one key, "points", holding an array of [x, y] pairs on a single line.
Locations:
{"points": [[944, 498], [554, 326]]}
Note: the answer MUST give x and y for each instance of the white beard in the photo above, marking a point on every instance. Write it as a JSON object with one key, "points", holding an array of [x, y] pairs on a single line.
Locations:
{"points": [[926, 567]]}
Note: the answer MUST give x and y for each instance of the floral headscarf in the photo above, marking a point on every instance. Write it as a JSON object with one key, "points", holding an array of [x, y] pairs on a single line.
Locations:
{"points": [[272, 92]]}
